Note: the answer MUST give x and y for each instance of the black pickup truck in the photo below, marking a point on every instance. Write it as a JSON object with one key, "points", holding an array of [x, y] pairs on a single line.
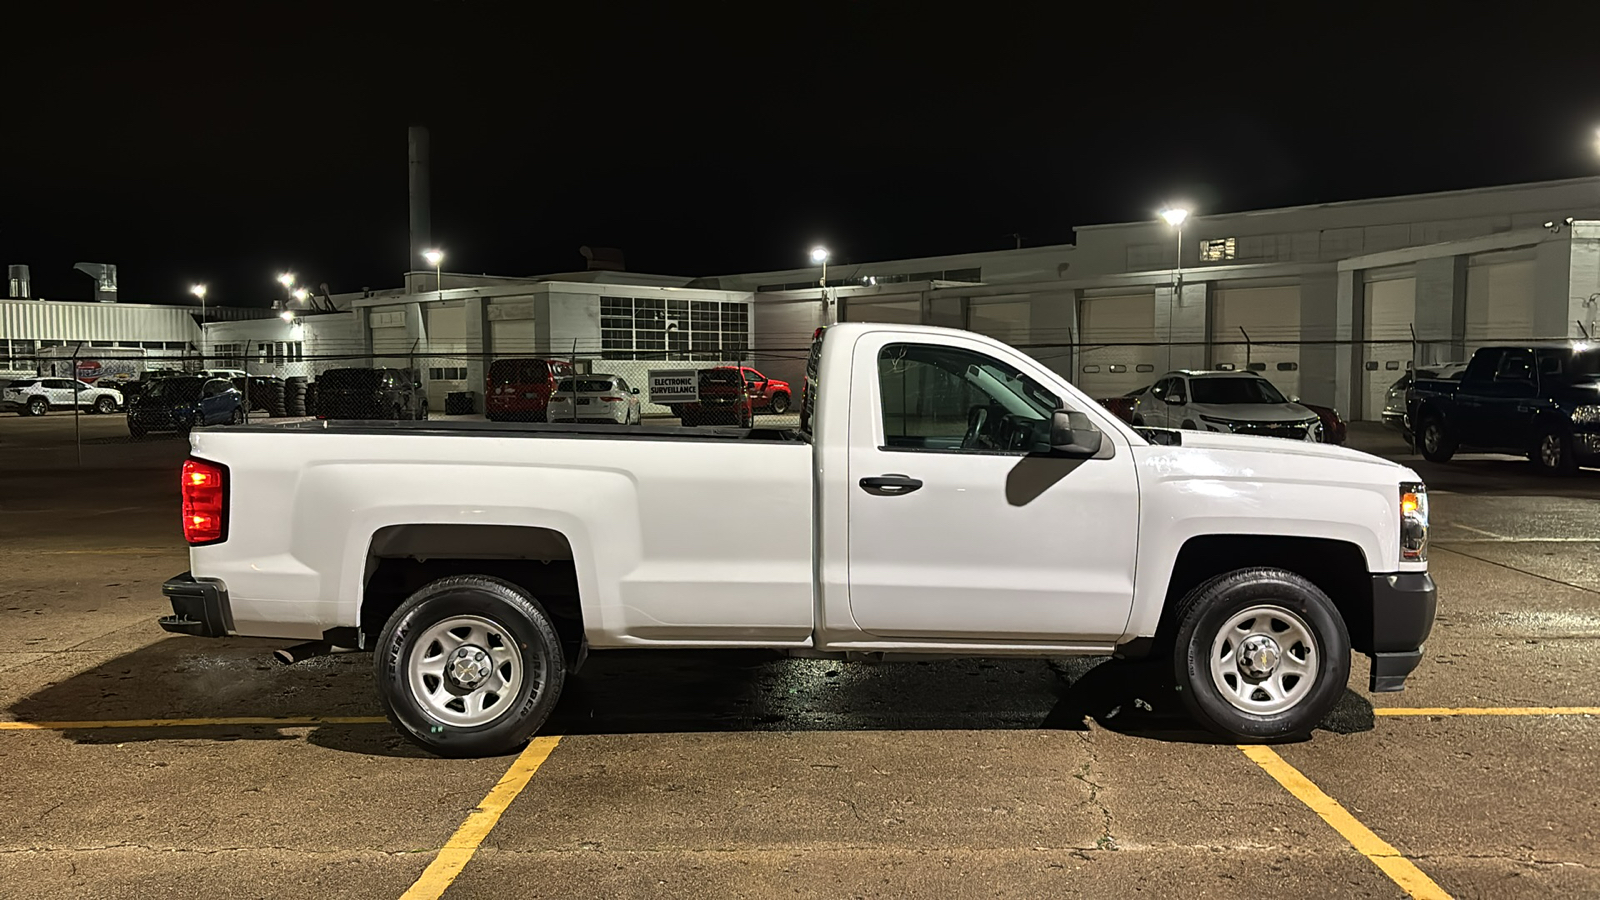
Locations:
{"points": [[1539, 399]]}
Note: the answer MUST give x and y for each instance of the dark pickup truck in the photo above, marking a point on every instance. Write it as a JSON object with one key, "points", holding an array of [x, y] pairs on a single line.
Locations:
{"points": [[1539, 399]]}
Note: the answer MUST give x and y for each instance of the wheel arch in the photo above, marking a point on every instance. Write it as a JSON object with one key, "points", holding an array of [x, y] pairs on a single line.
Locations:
{"points": [[1339, 568], [400, 559]]}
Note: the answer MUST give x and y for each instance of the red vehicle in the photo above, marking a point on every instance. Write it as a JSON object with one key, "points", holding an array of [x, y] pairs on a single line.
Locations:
{"points": [[733, 395], [518, 390], [766, 394]]}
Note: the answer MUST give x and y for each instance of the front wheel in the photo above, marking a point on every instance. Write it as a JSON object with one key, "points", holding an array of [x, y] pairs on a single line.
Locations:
{"points": [[780, 403], [1437, 445], [469, 666], [1554, 454], [1261, 654], [238, 416], [105, 406]]}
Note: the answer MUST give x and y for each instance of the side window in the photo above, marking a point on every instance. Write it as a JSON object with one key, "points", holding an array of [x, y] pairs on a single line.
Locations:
{"points": [[947, 399], [1552, 362], [751, 376], [1515, 365], [622, 385], [1179, 391], [1483, 365]]}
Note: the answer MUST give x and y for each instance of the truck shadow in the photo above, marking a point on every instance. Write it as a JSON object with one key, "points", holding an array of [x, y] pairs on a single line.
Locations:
{"points": [[624, 692]]}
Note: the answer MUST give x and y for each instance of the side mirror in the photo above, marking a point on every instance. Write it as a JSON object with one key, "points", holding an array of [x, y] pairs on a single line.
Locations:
{"points": [[1174, 399], [1072, 434], [1295, 399], [635, 392]]}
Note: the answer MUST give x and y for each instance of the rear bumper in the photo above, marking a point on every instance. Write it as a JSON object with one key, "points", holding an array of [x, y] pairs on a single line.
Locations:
{"points": [[199, 607], [1403, 607]]}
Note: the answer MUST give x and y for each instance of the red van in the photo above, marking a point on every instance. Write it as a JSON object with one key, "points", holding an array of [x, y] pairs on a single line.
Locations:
{"points": [[518, 390]]}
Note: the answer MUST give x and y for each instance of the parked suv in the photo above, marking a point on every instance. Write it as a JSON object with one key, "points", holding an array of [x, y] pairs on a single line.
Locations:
{"points": [[370, 394], [518, 390], [37, 396], [179, 404], [1229, 402]]}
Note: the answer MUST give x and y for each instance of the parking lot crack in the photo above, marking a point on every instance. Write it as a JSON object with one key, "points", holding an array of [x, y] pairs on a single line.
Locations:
{"points": [[1086, 774]]}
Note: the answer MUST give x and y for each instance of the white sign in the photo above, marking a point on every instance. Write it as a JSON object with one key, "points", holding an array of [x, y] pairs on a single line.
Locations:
{"points": [[668, 386]]}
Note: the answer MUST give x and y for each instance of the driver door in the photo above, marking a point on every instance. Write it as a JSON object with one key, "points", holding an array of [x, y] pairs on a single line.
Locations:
{"points": [[962, 524]]}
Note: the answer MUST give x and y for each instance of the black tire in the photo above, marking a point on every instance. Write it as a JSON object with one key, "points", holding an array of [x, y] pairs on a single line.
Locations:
{"points": [[238, 416], [38, 406], [780, 403], [105, 406], [508, 608], [1554, 454], [422, 412], [1435, 441], [1188, 425], [397, 415], [1208, 609], [135, 429]]}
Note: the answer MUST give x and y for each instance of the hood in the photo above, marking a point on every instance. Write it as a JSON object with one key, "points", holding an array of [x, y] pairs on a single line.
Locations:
{"points": [[1253, 412], [1278, 447]]}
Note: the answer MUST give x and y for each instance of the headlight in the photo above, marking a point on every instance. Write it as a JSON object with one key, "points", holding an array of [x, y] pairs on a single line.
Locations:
{"points": [[1222, 425], [1586, 415], [1413, 522], [1314, 430]]}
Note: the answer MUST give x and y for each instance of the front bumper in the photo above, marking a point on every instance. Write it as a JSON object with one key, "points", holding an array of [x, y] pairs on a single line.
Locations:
{"points": [[199, 607], [1403, 606]]}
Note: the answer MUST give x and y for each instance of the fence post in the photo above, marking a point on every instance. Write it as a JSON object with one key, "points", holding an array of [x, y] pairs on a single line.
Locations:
{"points": [[77, 425], [1413, 328], [1247, 348]]}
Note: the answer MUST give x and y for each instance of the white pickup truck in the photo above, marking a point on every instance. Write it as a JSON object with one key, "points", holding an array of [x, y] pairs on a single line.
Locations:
{"points": [[944, 495]]}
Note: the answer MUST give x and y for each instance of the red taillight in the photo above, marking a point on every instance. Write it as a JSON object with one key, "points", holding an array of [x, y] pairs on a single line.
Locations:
{"points": [[205, 511], [612, 399]]}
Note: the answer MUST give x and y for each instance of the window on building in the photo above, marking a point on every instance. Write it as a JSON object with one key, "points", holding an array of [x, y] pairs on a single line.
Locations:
{"points": [[658, 328], [1218, 250], [448, 373], [176, 345]]}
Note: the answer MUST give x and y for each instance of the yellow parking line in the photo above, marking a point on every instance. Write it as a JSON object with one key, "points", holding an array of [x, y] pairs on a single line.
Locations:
{"points": [[1488, 711], [458, 851], [192, 723], [1399, 869]]}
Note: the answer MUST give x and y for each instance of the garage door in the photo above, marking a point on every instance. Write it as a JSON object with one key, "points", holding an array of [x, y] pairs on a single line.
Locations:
{"points": [[1271, 317], [446, 365], [1499, 298], [1387, 312], [1118, 347], [512, 337], [389, 340]]}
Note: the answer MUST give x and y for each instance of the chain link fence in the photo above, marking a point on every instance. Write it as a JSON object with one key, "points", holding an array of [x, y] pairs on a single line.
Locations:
{"points": [[111, 401]]}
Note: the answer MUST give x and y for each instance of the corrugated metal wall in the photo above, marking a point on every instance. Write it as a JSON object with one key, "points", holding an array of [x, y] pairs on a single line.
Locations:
{"points": [[45, 320]]}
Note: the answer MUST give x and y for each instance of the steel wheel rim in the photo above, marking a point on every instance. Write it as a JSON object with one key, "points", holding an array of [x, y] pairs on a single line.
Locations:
{"points": [[1550, 451], [1264, 660], [466, 670]]}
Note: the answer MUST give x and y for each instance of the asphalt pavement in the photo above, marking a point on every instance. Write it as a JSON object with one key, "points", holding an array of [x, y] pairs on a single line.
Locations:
{"points": [[141, 764]]}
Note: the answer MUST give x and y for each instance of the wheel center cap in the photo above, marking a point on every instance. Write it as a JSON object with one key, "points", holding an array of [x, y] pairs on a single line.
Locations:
{"points": [[468, 665], [1258, 656]]}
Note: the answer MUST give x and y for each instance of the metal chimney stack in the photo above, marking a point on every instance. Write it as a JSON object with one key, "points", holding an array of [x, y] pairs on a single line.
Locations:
{"points": [[421, 231], [21, 285]]}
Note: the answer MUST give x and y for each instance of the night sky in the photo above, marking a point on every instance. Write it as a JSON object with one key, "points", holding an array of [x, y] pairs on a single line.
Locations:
{"points": [[713, 138]]}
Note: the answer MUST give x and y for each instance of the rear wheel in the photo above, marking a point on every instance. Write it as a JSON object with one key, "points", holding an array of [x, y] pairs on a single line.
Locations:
{"points": [[1554, 454], [38, 406], [469, 666], [1436, 444], [1189, 425], [238, 416], [1261, 654]]}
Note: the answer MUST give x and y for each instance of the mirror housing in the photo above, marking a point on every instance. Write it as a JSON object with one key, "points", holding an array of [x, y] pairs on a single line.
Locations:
{"points": [[1175, 399], [1073, 434], [1294, 399], [635, 392]]}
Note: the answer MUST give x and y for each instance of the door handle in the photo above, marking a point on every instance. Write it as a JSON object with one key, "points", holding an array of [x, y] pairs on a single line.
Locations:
{"points": [[890, 485]]}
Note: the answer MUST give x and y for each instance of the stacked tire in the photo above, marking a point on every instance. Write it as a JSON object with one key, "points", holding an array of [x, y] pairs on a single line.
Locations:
{"points": [[294, 393], [269, 395], [311, 399]]}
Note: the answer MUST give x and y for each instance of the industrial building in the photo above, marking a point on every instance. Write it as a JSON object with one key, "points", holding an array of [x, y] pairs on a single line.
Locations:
{"points": [[1331, 301]]}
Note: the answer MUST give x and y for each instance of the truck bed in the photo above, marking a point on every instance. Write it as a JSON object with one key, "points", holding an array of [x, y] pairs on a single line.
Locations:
{"points": [[478, 428]]}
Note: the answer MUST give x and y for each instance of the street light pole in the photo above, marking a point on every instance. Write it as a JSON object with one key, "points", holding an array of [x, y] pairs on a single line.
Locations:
{"points": [[435, 258], [1174, 216], [819, 254]]}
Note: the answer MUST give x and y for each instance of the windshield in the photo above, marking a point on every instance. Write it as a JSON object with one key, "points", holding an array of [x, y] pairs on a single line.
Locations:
{"points": [[586, 386], [1228, 391], [177, 390], [519, 372], [351, 379], [1584, 363]]}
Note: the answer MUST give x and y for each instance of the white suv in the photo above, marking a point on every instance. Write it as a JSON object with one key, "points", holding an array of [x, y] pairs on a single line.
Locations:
{"points": [[37, 396], [1228, 402]]}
